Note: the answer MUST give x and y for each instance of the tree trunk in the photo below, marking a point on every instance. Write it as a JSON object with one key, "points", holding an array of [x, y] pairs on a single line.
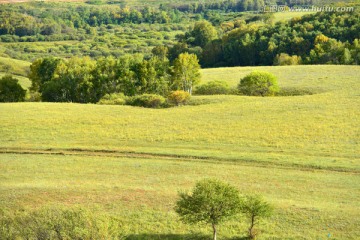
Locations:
{"points": [[252, 235], [214, 231]]}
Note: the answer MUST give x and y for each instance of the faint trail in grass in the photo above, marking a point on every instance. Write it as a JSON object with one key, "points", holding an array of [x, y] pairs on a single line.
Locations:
{"points": [[176, 157]]}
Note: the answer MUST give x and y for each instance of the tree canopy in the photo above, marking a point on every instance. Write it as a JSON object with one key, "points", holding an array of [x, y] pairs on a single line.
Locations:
{"points": [[11, 90], [211, 201]]}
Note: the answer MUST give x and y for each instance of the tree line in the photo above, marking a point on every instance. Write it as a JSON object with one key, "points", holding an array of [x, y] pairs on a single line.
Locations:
{"points": [[85, 80], [322, 38], [52, 19]]}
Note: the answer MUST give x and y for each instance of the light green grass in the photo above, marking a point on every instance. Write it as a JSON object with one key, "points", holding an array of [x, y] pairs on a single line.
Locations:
{"points": [[142, 192], [17, 67], [301, 153], [317, 130], [285, 16]]}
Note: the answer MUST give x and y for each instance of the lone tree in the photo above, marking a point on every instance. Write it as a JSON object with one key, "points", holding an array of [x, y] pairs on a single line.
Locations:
{"points": [[186, 72], [11, 90], [211, 201], [255, 208], [259, 84]]}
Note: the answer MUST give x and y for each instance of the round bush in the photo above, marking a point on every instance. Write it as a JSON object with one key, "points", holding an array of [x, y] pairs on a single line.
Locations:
{"points": [[179, 97], [146, 100], [113, 99], [259, 84], [213, 88]]}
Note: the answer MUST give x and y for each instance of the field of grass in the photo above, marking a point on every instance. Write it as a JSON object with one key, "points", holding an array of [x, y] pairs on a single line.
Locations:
{"points": [[285, 16], [301, 153], [142, 192]]}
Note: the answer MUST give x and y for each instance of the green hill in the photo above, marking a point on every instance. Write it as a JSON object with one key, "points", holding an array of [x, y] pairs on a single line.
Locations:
{"points": [[14, 66], [300, 152]]}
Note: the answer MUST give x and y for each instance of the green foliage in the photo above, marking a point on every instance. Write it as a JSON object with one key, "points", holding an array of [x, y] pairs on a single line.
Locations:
{"points": [[186, 72], [283, 59], [11, 90], [179, 97], [255, 208], [146, 100], [72, 82], [259, 84], [33, 96], [113, 99], [211, 201], [203, 33], [213, 88], [42, 71], [58, 223]]}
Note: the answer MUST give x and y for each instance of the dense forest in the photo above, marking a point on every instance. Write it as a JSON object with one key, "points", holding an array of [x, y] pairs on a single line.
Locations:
{"points": [[220, 33]]}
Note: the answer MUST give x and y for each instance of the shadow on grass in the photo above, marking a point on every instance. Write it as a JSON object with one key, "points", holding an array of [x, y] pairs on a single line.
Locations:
{"points": [[146, 236]]}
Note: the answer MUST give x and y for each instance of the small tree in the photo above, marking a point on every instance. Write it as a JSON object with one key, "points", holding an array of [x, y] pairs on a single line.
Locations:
{"points": [[211, 201], [255, 208], [186, 72], [11, 90], [259, 84]]}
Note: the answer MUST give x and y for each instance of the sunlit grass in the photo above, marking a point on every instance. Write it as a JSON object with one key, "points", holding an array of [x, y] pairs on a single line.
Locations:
{"points": [[17, 67], [301, 153], [142, 192]]}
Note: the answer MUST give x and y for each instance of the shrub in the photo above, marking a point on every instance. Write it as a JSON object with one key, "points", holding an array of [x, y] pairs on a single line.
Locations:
{"points": [[58, 223], [259, 84], [11, 90], [179, 97], [213, 88], [283, 59], [113, 99], [33, 97], [296, 92], [146, 100]]}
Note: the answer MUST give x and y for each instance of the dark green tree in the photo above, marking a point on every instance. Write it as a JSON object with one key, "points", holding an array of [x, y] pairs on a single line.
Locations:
{"points": [[72, 82], [11, 90], [203, 33], [41, 71]]}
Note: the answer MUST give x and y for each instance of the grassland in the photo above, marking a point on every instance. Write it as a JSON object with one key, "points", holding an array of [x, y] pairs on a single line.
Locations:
{"points": [[301, 153], [14, 66]]}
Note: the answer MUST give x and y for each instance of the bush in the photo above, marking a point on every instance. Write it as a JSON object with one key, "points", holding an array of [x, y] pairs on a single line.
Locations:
{"points": [[213, 88], [33, 97], [11, 90], [146, 100], [58, 223], [283, 59], [113, 99], [179, 97], [259, 84], [296, 92]]}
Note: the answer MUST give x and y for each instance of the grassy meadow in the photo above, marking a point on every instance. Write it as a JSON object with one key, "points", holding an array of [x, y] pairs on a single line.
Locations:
{"points": [[300, 152]]}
